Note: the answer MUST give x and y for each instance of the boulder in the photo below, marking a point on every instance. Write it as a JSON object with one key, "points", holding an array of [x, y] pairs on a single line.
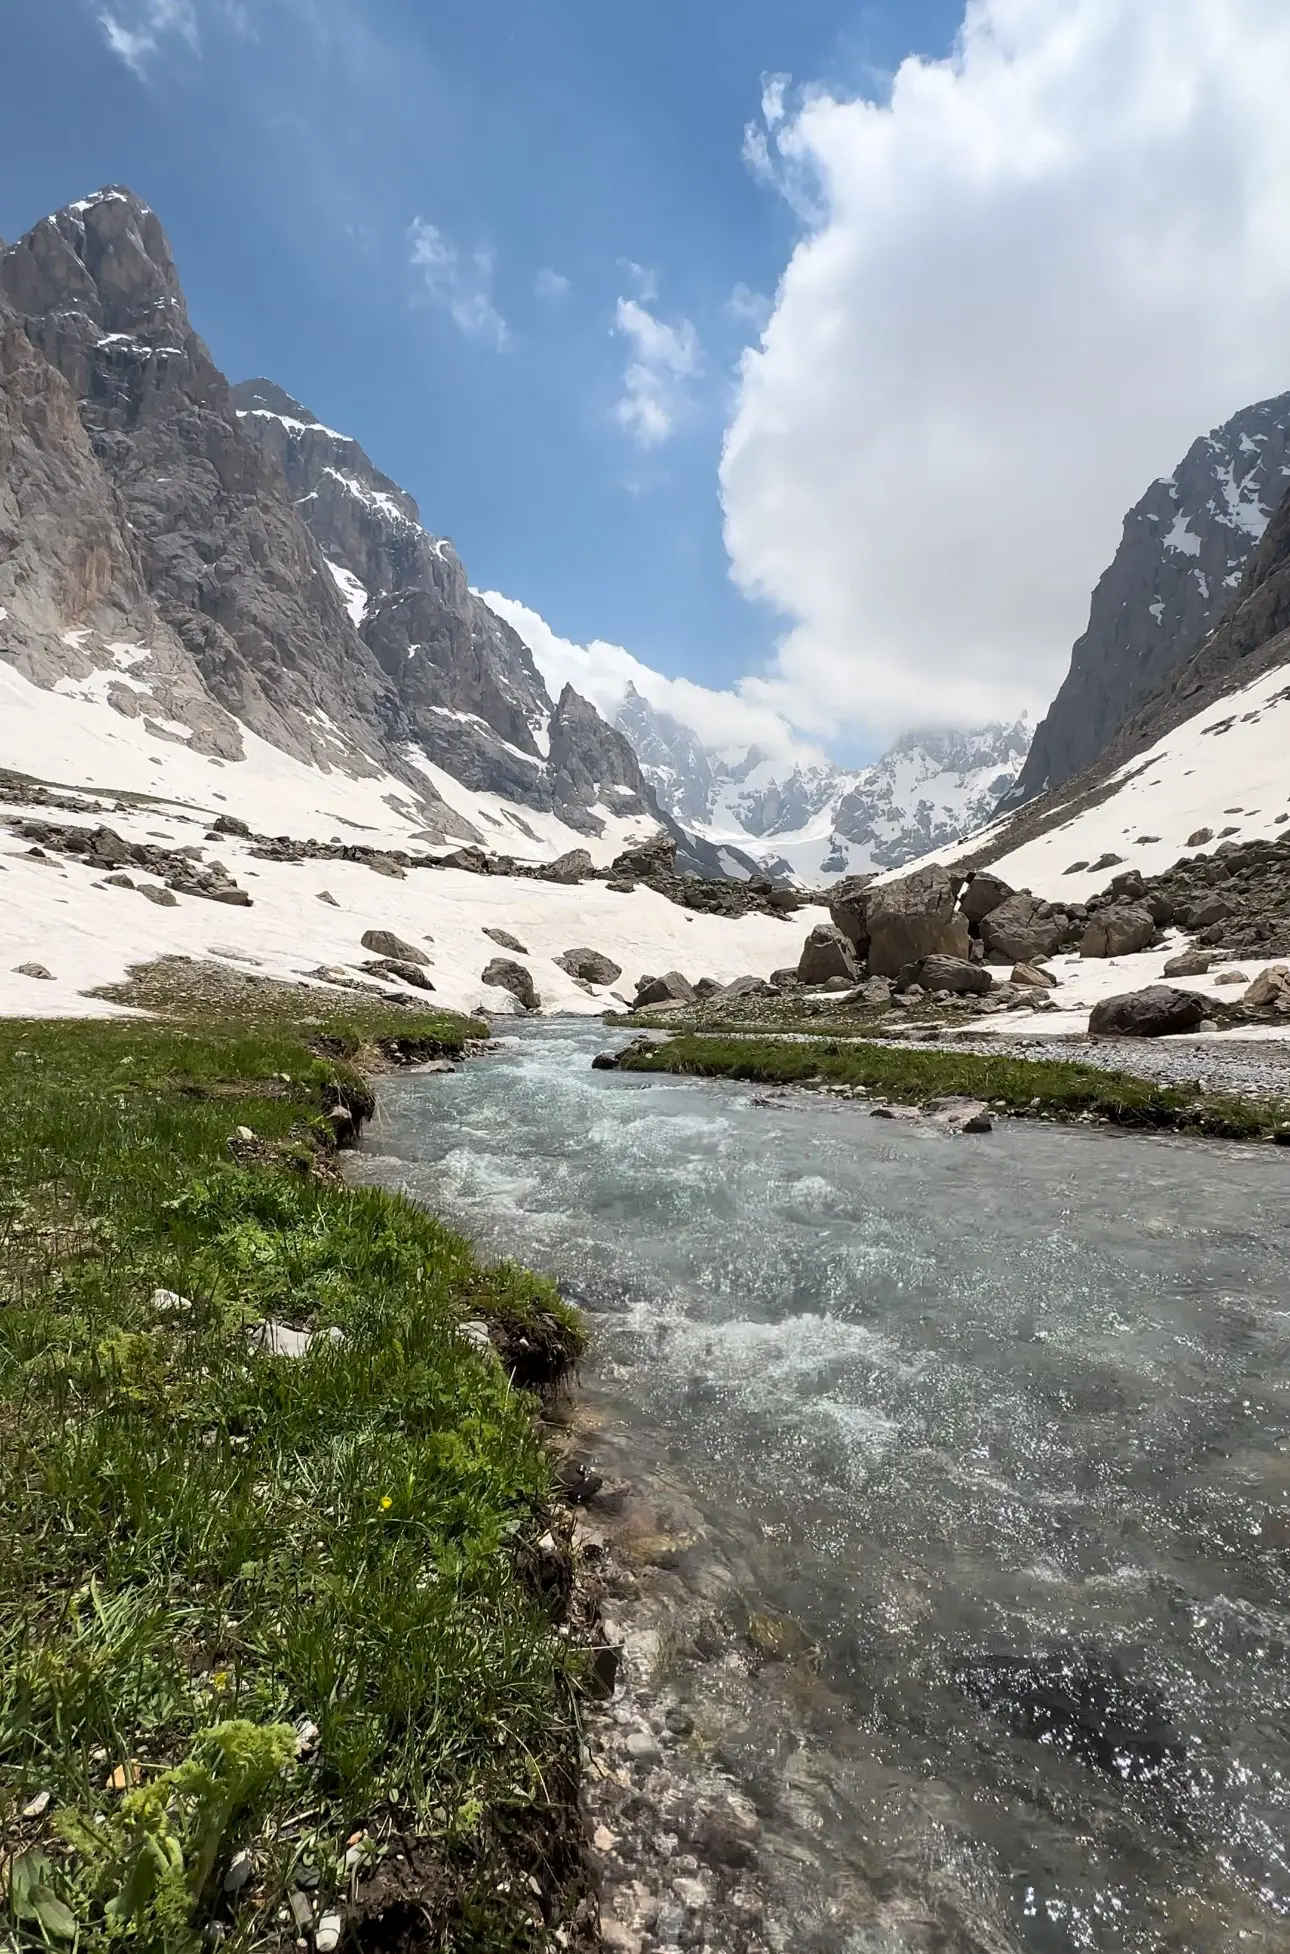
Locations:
{"points": [[827, 953], [1021, 929], [1157, 1012], [574, 866], [401, 972], [1200, 837], [671, 988], [1128, 887], [1270, 990], [956, 975], [848, 908], [1162, 910], [707, 987], [164, 898], [34, 970], [914, 918], [983, 894], [228, 824], [1214, 909], [473, 860], [1192, 963], [748, 987], [505, 941], [590, 966], [786, 979], [655, 857], [384, 943], [513, 977], [1032, 977], [1118, 931]]}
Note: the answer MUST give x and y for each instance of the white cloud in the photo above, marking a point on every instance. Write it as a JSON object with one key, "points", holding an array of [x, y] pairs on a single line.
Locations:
{"points": [[729, 721], [146, 25], [461, 285], [663, 358], [551, 284], [749, 307], [1040, 269]]}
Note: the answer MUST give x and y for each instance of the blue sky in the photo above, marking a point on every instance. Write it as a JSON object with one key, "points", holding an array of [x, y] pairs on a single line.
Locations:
{"points": [[291, 147]]}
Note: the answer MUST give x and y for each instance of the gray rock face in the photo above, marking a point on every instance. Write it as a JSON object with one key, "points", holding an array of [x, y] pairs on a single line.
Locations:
{"points": [[956, 975], [827, 954], [849, 911], [914, 918], [1118, 931], [590, 966], [1157, 1012], [1180, 560], [513, 977], [1020, 929]]}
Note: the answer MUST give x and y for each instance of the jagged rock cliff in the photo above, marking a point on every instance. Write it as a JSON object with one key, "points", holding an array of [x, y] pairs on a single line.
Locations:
{"points": [[1182, 554]]}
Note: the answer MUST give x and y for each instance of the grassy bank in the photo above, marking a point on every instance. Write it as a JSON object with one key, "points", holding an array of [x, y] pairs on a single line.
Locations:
{"points": [[1027, 1087], [253, 1603]]}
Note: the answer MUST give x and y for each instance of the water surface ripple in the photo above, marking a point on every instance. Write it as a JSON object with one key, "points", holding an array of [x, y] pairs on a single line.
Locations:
{"points": [[1002, 1422]]}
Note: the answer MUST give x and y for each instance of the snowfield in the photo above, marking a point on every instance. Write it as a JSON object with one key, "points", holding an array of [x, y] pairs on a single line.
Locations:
{"points": [[58, 912]]}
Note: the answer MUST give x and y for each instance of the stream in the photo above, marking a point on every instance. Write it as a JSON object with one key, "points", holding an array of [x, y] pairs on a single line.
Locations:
{"points": [[970, 1462]]}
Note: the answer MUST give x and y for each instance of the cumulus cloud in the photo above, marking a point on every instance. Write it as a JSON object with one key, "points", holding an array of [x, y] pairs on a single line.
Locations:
{"points": [[662, 359], [1030, 277], [137, 33], [462, 285], [729, 721]]}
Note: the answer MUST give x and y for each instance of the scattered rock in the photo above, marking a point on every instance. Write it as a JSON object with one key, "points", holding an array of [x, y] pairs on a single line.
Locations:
{"points": [[913, 918], [574, 866], [506, 941], [605, 1062], [515, 978], [118, 882], [1192, 963], [473, 860], [827, 954], [1119, 931], [1233, 977], [1270, 989], [671, 988], [1021, 929], [979, 1123], [34, 970], [164, 898], [1159, 1011], [400, 972], [955, 975], [325, 895], [776, 1638], [1214, 909], [327, 1937], [1201, 836], [228, 824], [1103, 862], [384, 943], [707, 987], [653, 858], [984, 894], [1033, 977], [590, 965]]}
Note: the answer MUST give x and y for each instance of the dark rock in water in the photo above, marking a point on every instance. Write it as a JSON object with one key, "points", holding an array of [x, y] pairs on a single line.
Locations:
{"points": [[513, 977], [605, 1062], [384, 943], [1156, 1012], [506, 941], [1081, 1702], [590, 965]]}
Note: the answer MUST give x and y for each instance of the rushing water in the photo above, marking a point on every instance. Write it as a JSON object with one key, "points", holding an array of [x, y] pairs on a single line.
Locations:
{"points": [[1002, 1423]]}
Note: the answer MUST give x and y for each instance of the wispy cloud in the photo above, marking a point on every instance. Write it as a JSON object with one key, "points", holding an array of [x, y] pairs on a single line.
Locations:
{"points": [[136, 33], [749, 307], [663, 358], [462, 285], [551, 284]]}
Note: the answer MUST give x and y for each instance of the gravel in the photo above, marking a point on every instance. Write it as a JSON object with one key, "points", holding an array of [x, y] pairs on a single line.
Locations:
{"points": [[1253, 1069]]}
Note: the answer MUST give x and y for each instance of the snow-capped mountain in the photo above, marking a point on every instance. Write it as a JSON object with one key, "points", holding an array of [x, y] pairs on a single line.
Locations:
{"points": [[1180, 559], [820, 820]]}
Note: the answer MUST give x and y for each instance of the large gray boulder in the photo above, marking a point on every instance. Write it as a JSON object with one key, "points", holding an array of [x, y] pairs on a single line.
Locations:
{"points": [[1157, 1012], [505, 941], [590, 966], [746, 987], [955, 974], [1120, 931], [914, 918], [1192, 963], [670, 988], [1020, 929], [849, 910], [384, 943], [648, 859], [574, 866], [513, 977], [1270, 990], [983, 894], [827, 953]]}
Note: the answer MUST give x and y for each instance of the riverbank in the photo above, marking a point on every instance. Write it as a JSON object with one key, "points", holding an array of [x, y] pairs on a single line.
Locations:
{"points": [[1046, 1088], [283, 1579]]}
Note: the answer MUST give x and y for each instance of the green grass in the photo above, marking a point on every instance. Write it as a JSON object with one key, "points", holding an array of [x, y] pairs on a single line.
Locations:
{"points": [[1030, 1087], [204, 1547]]}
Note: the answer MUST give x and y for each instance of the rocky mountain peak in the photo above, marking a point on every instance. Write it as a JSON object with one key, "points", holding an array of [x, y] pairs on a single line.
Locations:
{"points": [[105, 257]]}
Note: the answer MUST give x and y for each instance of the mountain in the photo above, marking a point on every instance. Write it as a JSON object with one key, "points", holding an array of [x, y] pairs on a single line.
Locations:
{"points": [[220, 564], [1182, 554], [820, 820]]}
